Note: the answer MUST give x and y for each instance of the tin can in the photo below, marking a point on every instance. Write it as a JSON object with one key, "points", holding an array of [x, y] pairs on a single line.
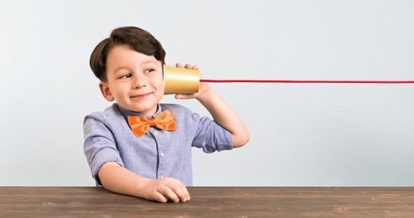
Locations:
{"points": [[180, 80]]}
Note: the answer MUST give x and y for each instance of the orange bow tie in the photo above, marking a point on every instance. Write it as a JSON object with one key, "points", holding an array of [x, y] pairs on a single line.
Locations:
{"points": [[140, 125]]}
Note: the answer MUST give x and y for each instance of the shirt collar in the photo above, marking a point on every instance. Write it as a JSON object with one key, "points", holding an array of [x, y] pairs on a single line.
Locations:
{"points": [[127, 113]]}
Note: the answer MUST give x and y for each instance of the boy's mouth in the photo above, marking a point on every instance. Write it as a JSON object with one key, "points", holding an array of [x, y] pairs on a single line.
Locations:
{"points": [[140, 96]]}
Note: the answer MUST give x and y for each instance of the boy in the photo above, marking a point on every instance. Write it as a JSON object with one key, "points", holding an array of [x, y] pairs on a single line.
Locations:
{"points": [[151, 160]]}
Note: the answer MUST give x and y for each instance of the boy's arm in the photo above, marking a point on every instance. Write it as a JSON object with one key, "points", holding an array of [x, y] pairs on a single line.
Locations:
{"points": [[222, 112], [120, 180]]}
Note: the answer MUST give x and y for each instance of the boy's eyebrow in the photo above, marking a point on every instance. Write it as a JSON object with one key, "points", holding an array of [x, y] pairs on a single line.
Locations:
{"points": [[149, 62], [118, 68], [143, 63]]}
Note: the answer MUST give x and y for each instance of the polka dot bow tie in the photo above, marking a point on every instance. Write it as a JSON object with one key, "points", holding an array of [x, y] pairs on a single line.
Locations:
{"points": [[140, 125]]}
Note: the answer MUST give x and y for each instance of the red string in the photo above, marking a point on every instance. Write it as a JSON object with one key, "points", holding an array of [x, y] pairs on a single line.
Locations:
{"points": [[308, 81]]}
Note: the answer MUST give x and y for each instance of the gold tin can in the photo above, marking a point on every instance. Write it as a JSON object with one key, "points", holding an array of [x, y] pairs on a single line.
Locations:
{"points": [[180, 80]]}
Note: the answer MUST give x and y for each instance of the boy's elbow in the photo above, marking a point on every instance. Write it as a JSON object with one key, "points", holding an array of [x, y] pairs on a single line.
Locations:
{"points": [[241, 140]]}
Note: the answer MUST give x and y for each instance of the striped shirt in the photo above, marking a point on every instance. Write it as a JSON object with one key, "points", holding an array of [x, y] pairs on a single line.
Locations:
{"points": [[156, 154]]}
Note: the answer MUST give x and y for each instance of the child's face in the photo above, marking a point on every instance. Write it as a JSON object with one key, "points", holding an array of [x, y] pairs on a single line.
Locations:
{"points": [[134, 80]]}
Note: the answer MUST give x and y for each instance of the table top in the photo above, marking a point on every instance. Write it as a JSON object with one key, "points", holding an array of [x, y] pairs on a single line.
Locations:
{"points": [[211, 202]]}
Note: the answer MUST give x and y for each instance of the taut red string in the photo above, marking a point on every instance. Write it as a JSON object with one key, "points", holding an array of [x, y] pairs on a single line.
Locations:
{"points": [[308, 81]]}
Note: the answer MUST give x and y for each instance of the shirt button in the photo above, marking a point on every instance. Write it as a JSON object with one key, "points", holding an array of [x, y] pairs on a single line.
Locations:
{"points": [[155, 132], [162, 154]]}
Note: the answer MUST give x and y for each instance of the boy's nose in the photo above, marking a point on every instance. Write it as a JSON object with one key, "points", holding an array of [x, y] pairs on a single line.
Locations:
{"points": [[139, 82]]}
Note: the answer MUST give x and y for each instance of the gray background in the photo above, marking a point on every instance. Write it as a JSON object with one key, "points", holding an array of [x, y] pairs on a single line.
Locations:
{"points": [[301, 134]]}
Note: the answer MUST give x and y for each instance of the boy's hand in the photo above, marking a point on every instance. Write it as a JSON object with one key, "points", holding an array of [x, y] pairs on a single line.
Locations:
{"points": [[202, 89], [165, 189], [221, 112]]}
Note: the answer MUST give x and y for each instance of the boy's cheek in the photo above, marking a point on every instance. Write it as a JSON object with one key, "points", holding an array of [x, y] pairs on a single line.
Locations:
{"points": [[161, 86]]}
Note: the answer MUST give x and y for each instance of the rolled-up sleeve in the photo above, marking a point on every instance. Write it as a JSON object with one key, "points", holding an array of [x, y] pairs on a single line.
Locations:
{"points": [[210, 136], [99, 144]]}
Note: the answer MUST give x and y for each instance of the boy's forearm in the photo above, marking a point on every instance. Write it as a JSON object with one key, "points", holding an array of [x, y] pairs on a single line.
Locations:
{"points": [[225, 115], [120, 180]]}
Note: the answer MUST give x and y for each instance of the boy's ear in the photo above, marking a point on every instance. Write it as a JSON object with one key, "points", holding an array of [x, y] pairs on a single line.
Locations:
{"points": [[105, 91]]}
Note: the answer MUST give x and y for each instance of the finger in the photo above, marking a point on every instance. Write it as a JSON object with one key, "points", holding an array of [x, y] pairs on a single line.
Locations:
{"points": [[187, 194], [188, 66], [183, 193], [184, 96], [195, 67], [178, 65], [160, 197], [170, 194], [180, 190]]}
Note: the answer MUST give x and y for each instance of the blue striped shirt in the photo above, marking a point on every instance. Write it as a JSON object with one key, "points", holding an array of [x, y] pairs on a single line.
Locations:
{"points": [[156, 154]]}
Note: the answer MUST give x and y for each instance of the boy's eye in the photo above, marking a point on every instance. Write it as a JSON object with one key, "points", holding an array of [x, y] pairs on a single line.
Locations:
{"points": [[126, 76], [149, 70]]}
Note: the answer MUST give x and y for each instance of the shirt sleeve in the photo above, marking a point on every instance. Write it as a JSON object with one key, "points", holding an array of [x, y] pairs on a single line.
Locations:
{"points": [[99, 144], [210, 136]]}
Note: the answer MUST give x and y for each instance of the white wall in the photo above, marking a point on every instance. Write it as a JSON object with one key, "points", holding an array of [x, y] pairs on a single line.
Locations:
{"points": [[300, 134]]}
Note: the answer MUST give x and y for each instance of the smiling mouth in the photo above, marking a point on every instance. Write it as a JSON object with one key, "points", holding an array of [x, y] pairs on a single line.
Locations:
{"points": [[142, 96]]}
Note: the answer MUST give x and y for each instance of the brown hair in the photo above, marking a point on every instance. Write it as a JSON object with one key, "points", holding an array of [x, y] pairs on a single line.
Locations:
{"points": [[136, 38]]}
